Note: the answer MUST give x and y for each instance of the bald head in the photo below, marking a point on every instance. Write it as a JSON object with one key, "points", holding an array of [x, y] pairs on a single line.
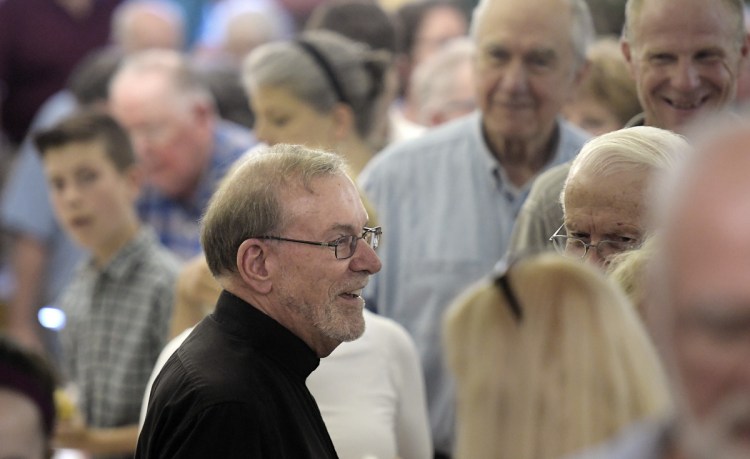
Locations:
{"points": [[700, 297]]}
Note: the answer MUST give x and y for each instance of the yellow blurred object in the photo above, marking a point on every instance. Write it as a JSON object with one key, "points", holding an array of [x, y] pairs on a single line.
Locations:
{"points": [[64, 405]]}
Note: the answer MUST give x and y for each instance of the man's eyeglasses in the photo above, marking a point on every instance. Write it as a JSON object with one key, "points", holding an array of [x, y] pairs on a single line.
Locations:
{"points": [[344, 246], [578, 248]]}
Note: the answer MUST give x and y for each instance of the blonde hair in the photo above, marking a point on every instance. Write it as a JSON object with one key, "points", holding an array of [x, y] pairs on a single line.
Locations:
{"points": [[575, 369], [628, 270]]}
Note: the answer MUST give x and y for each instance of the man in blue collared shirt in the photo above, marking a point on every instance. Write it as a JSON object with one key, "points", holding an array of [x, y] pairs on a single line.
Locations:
{"points": [[184, 148], [449, 198]]}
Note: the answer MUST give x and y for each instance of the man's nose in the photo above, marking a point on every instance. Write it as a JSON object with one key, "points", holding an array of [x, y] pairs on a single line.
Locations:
{"points": [[686, 77], [365, 259], [515, 77]]}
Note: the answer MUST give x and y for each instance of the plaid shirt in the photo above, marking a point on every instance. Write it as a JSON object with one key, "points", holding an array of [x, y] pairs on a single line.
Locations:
{"points": [[178, 222], [117, 323]]}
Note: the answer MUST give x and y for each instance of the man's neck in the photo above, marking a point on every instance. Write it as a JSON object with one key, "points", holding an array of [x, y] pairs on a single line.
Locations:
{"points": [[522, 159]]}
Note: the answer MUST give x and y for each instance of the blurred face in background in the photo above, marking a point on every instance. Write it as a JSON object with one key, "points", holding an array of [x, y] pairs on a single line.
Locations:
{"points": [[281, 117], [439, 26], [707, 251], [592, 115], [526, 67], [685, 58], [172, 134]]}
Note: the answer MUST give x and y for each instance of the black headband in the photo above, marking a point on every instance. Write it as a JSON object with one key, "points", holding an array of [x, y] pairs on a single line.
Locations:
{"points": [[327, 69], [502, 283]]}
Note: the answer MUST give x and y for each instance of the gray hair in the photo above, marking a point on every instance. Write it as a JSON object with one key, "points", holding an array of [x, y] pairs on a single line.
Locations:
{"points": [[644, 148], [633, 11], [127, 12], [247, 203], [185, 82], [582, 26], [359, 71]]}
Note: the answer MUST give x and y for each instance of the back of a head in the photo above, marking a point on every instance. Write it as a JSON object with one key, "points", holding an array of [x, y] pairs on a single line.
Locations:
{"points": [[410, 17], [574, 370], [360, 20], [247, 203], [89, 80], [608, 15], [181, 79], [143, 24], [357, 71], [26, 375]]}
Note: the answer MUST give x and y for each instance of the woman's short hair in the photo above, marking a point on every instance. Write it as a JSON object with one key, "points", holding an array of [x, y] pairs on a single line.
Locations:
{"points": [[247, 203], [357, 70], [573, 369]]}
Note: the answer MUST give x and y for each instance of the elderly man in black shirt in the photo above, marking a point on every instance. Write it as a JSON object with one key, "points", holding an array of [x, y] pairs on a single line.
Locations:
{"points": [[285, 236]]}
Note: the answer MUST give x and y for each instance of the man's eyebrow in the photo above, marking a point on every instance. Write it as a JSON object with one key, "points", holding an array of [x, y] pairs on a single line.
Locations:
{"points": [[343, 228]]}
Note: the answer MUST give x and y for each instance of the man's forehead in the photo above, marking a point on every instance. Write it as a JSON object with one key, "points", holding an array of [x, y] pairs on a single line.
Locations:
{"points": [[544, 21], [328, 201], [697, 23]]}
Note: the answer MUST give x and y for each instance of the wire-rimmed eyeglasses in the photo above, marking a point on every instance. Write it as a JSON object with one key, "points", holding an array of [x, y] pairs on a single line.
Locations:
{"points": [[578, 248], [344, 246]]}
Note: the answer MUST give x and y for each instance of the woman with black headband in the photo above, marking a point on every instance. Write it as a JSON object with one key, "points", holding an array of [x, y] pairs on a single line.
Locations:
{"points": [[548, 358], [321, 90]]}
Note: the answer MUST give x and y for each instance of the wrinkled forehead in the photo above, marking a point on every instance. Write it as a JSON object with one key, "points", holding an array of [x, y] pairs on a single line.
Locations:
{"points": [[543, 21], [686, 23]]}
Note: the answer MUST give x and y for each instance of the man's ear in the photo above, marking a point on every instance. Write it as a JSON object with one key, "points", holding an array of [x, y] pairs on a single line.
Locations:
{"points": [[252, 265], [580, 74], [343, 117], [627, 53]]}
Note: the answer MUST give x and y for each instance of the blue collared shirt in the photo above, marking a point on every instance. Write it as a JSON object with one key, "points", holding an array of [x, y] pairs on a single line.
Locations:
{"points": [[447, 210], [178, 222]]}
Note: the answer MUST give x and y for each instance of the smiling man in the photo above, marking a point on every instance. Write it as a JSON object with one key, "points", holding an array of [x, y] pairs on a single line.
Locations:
{"points": [[685, 58], [450, 197], [285, 237]]}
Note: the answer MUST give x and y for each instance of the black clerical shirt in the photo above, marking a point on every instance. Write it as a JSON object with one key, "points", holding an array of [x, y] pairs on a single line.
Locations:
{"points": [[236, 389]]}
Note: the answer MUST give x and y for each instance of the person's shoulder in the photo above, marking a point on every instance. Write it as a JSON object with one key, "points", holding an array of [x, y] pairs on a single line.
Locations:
{"points": [[433, 141], [154, 259], [572, 137], [389, 335], [553, 176], [233, 140]]}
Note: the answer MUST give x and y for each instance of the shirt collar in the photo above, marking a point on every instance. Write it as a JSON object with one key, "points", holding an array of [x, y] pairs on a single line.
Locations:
{"points": [[126, 257], [244, 321]]}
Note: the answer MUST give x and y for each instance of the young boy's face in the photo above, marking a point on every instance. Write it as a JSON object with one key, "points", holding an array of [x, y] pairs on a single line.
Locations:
{"points": [[93, 201]]}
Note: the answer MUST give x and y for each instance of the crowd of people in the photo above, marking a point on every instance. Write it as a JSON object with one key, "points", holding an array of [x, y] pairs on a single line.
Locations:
{"points": [[375, 229]]}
